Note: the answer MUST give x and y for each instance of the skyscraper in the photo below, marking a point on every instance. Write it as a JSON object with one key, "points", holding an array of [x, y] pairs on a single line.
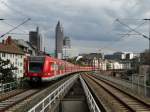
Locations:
{"points": [[67, 42], [35, 39], [59, 35]]}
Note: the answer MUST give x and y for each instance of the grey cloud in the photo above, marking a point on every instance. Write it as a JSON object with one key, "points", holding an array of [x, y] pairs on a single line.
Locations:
{"points": [[82, 20]]}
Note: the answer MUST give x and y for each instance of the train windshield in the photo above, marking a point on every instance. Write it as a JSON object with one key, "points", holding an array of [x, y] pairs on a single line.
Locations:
{"points": [[35, 66]]}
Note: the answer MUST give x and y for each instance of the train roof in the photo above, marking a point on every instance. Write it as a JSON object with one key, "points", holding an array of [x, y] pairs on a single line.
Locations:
{"points": [[42, 58], [36, 58]]}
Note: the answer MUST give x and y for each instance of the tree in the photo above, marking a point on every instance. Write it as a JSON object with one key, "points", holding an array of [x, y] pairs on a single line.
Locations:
{"points": [[6, 74]]}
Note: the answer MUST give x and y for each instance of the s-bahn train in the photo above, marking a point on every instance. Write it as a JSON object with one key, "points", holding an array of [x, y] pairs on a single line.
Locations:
{"points": [[46, 68]]}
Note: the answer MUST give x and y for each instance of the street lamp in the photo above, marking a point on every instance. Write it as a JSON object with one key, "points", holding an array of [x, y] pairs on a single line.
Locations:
{"points": [[145, 85]]}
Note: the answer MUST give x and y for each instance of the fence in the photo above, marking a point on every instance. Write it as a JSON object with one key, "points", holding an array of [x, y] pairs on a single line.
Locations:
{"points": [[91, 102], [8, 86], [47, 103]]}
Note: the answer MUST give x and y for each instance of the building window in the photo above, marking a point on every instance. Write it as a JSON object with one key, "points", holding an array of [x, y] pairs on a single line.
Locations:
{"points": [[11, 55], [20, 64], [3, 54], [7, 55]]}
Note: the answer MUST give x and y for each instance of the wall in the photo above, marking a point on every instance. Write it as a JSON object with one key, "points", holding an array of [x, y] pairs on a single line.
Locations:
{"points": [[17, 60]]}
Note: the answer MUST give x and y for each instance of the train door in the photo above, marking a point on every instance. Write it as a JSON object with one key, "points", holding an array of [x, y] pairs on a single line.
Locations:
{"points": [[63, 71], [55, 68], [60, 68], [52, 68]]}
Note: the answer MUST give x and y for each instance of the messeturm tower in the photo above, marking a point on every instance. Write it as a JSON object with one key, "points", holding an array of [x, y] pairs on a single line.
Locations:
{"points": [[59, 36]]}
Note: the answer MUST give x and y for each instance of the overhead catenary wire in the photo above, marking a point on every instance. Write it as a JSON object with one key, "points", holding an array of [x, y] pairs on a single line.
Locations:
{"points": [[143, 35], [15, 27], [132, 29], [19, 33], [127, 34]]}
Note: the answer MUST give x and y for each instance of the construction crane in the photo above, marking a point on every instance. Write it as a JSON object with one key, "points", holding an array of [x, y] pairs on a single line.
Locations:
{"points": [[8, 32]]}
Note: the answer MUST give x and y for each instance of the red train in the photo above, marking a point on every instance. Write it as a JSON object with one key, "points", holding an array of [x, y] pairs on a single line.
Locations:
{"points": [[46, 68]]}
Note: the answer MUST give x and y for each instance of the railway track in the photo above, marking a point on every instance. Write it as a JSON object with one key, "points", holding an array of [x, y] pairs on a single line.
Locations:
{"points": [[6, 95], [17, 98], [23, 100], [119, 100]]}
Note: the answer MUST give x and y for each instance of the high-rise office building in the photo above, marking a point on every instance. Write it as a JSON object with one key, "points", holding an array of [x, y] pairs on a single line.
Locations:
{"points": [[35, 39], [67, 50], [59, 36], [67, 42]]}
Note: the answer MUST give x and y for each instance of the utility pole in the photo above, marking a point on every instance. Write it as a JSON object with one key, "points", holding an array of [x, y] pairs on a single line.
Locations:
{"points": [[149, 31]]}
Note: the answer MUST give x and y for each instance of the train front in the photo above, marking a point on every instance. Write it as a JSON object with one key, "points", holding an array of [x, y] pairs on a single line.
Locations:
{"points": [[35, 67]]}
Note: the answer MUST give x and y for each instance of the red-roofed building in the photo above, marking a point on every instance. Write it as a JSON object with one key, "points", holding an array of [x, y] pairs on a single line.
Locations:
{"points": [[9, 50]]}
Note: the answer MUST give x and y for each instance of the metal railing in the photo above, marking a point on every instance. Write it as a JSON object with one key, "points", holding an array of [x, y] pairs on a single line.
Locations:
{"points": [[8, 86], [91, 102], [49, 101]]}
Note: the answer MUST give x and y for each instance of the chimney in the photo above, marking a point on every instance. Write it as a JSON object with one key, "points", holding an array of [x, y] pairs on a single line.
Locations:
{"points": [[3, 41], [9, 40]]}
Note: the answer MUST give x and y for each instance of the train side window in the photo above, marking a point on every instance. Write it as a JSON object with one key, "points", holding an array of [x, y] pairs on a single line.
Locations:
{"points": [[61, 67], [54, 66]]}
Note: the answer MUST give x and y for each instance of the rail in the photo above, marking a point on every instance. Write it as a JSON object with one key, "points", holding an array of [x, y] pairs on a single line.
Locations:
{"points": [[7, 86], [91, 102], [137, 88], [127, 102], [48, 101]]}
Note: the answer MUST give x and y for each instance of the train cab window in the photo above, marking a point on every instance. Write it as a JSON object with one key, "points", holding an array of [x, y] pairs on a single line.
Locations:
{"points": [[35, 67]]}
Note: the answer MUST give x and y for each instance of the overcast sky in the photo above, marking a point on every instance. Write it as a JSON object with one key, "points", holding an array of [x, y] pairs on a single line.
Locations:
{"points": [[90, 23]]}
